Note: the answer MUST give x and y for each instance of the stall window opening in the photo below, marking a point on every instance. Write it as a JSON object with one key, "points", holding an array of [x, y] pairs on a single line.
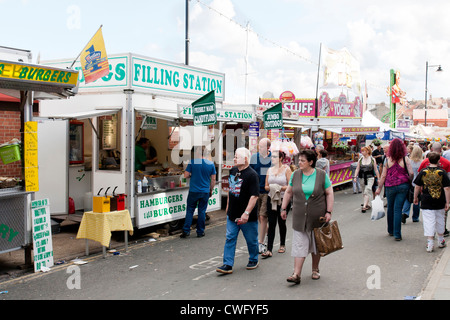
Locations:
{"points": [[109, 130]]}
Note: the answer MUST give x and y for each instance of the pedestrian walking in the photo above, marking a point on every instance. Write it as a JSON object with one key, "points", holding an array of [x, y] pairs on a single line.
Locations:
{"points": [[368, 171], [312, 198], [241, 211], [416, 159], [322, 161], [444, 164], [203, 178], [435, 197], [396, 176], [277, 180], [261, 162]]}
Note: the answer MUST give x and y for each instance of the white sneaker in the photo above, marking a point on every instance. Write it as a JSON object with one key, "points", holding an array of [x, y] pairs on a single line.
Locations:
{"points": [[430, 247], [442, 244]]}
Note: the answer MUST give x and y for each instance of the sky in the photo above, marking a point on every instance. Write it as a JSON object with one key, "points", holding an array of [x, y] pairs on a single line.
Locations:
{"points": [[279, 51]]}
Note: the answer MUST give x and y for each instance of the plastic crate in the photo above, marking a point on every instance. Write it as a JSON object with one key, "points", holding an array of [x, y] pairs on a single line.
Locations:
{"points": [[10, 153]]}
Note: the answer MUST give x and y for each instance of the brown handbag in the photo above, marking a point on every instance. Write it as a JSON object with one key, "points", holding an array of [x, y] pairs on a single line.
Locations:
{"points": [[328, 238]]}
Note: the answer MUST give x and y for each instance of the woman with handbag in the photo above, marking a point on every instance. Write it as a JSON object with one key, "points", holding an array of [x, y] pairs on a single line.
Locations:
{"points": [[367, 170], [396, 177], [312, 198]]}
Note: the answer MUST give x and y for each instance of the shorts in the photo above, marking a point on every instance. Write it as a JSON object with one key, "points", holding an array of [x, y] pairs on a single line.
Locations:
{"points": [[303, 243], [433, 222], [262, 204]]}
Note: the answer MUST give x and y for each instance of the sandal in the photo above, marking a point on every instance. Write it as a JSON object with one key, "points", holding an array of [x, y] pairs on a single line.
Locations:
{"points": [[315, 274], [282, 249], [295, 278], [266, 254]]}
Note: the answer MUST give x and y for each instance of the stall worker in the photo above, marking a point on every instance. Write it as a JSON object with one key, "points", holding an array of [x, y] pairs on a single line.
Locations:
{"points": [[141, 154]]}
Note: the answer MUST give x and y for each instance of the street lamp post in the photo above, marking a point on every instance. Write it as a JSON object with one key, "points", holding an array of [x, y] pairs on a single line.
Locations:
{"points": [[439, 69]]}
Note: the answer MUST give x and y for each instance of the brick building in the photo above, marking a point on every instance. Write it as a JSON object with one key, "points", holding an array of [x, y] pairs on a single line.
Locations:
{"points": [[10, 128]]}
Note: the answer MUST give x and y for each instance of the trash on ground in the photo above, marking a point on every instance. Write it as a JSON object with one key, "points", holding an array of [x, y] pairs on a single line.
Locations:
{"points": [[79, 261], [3, 292], [132, 267], [45, 269]]}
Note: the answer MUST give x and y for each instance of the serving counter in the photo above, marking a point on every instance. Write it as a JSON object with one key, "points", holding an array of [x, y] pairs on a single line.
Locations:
{"points": [[340, 172], [15, 226], [167, 204]]}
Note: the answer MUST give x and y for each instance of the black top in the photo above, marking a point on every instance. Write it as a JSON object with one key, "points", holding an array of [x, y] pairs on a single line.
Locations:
{"points": [[377, 152], [433, 180], [242, 185]]}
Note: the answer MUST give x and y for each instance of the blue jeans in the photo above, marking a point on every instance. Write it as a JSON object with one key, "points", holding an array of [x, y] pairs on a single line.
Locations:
{"points": [[407, 208], [396, 196], [250, 231], [195, 199]]}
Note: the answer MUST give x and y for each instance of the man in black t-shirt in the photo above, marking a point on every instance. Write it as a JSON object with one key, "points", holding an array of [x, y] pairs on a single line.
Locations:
{"points": [[435, 197], [241, 211]]}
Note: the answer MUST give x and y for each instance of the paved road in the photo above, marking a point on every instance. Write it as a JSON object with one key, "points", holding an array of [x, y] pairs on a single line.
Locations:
{"points": [[371, 266]]}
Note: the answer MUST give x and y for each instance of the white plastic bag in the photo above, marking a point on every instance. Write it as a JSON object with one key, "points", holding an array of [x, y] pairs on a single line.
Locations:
{"points": [[377, 209]]}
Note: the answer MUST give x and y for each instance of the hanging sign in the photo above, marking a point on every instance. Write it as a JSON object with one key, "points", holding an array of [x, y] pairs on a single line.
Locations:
{"points": [[204, 110], [42, 234], [273, 117]]}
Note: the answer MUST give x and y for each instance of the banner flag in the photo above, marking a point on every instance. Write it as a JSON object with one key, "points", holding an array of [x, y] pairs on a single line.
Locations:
{"points": [[94, 60], [273, 117], [204, 110]]}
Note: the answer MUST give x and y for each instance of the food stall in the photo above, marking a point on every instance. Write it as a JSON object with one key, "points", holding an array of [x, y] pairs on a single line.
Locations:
{"points": [[236, 127], [332, 119], [342, 144], [27, 82], [141, 97]]}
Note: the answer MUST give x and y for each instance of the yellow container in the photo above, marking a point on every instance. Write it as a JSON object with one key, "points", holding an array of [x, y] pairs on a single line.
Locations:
{"points": [[101, 204]]}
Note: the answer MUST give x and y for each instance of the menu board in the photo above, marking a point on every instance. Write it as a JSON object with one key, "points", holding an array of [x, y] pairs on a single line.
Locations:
{"points": [[31, 157], [42, 234]]}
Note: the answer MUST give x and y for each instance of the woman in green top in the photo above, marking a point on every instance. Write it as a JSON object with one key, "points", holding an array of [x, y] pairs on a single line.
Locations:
{"points": [[312, 197]]}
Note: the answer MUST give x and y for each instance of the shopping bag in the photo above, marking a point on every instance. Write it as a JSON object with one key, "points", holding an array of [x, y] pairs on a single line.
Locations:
{"points": [[328, 238], [377, 209]]}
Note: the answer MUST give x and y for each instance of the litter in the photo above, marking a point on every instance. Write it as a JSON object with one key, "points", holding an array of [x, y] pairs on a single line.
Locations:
{"points": [[45, 269], [3, 292], [132, 267], [79, 261]]}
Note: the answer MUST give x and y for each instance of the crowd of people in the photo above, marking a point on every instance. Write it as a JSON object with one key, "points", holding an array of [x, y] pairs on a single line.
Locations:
{"points": [[409, 177], [263, 190]]}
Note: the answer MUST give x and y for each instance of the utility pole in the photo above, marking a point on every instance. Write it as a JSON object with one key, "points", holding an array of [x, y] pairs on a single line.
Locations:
{"points": [[187, 34]]}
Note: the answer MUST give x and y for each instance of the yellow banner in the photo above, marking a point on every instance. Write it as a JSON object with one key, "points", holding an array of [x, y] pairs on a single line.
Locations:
{"points": [[31, 156], [94, 60], [35, 73]]}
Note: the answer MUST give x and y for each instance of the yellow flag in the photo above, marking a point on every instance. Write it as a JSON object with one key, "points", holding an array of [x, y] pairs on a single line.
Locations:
{"points": [[94, 61]]}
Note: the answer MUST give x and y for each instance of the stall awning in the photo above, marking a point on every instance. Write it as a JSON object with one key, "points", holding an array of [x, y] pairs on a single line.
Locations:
{"points": [[352, 130], [53, 82], [84, 114], [156, 114], [296, 124]]}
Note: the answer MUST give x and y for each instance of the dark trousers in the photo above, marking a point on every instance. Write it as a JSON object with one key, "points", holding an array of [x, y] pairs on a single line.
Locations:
{"points": [[274, 217]]}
